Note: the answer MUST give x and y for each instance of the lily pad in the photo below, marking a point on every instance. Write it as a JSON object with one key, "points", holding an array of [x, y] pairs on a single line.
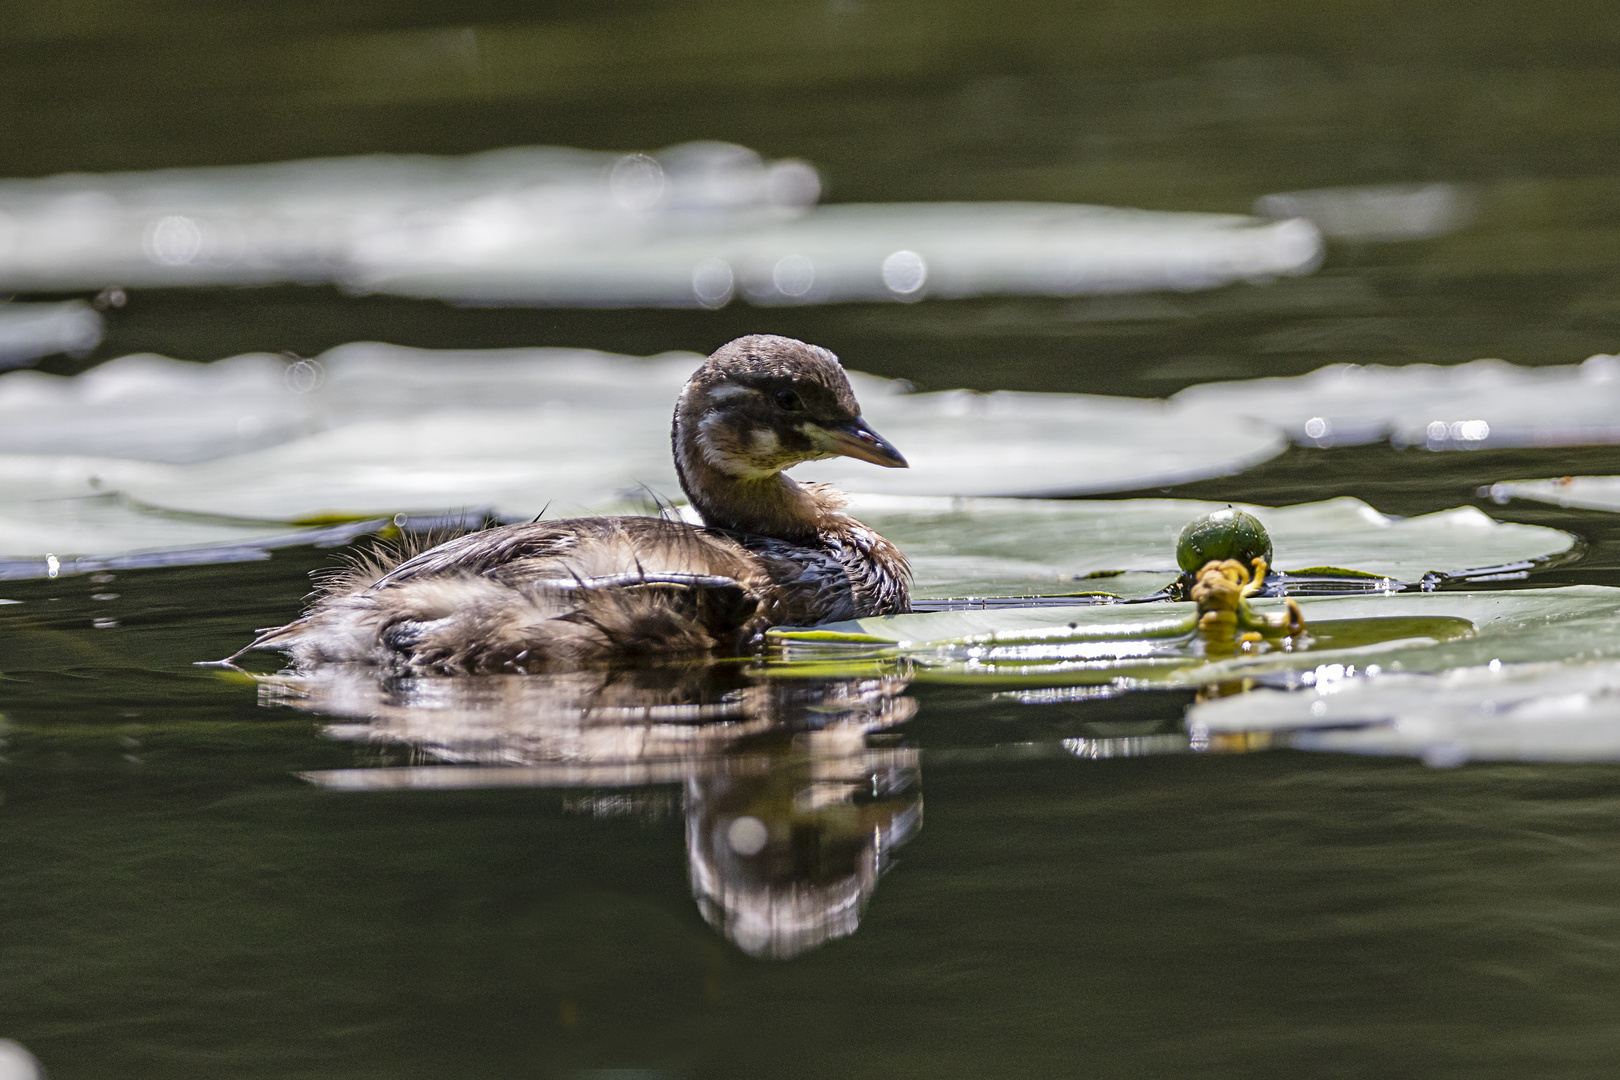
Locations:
{"points": [[372, 429], [691, 226], [331, 219], [153, 408], [519, 461], [1581, 492], [1485, 403], [1154, 645], [30, 331], [1496, 711], [878, 251], [1001, 547], [1379, 212], [1033, 445], [56, 537]]}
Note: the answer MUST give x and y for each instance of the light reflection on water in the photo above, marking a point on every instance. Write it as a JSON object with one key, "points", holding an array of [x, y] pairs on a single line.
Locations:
{"points": [[790, 816]]}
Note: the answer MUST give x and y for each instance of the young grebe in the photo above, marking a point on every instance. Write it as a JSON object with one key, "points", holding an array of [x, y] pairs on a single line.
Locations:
{"points": [[771, 552]]}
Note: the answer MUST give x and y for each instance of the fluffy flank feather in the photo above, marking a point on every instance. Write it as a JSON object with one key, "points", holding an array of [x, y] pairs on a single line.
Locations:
{"points": [[363, 568], [544, 598]]}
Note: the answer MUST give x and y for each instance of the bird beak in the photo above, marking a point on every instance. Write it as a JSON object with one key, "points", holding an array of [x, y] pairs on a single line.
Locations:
{"points": [[855, 439]]}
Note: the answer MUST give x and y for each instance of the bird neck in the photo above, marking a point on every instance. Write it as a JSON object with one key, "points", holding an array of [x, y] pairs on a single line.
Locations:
{"points": [[773, 505]]}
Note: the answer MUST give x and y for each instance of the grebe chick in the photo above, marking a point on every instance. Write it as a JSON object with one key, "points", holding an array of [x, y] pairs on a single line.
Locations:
{"points": [[772, 551]]}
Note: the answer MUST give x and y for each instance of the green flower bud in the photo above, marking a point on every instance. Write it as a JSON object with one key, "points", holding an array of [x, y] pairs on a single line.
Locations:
{"points": [[1225, 534]]}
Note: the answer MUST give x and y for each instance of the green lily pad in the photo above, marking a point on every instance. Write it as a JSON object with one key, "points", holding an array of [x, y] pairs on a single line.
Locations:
{"points": [[1126, 548], [1581, 492], [1496, 711], [1152, 645]]}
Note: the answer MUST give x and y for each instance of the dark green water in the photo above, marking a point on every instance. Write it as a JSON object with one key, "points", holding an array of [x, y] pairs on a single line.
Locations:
{"points": [[175, 902]]}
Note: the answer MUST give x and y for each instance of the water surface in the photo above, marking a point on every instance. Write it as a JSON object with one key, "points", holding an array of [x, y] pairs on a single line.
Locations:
{"points": [[176, 901]]}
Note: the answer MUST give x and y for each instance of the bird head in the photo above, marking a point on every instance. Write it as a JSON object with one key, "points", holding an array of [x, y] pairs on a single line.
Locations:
{"points": [[764, 403]]}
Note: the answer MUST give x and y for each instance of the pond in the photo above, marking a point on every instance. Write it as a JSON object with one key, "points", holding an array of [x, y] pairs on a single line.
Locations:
{"points": [[891, 868]]}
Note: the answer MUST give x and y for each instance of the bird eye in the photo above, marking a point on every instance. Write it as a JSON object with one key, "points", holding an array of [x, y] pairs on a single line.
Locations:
{"points": [[787, 400]]}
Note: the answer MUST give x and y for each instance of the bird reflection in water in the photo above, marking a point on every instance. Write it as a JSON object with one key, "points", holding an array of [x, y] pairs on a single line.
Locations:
{"points": [[791, 813]]}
